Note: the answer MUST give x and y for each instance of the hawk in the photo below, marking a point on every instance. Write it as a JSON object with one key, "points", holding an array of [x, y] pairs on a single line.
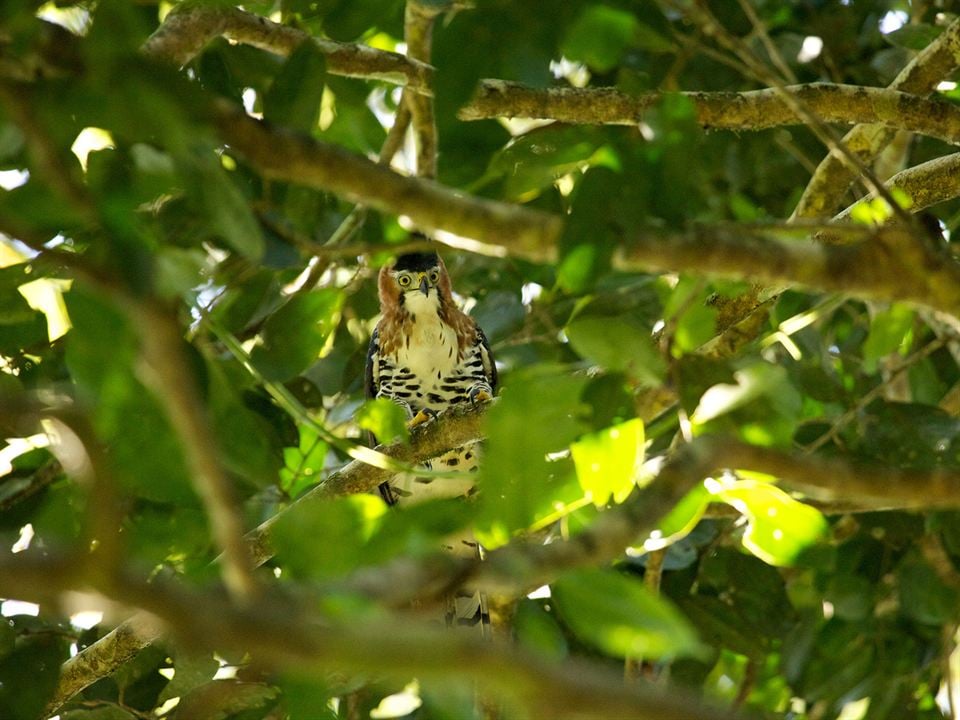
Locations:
{"points": [[426, 355]]}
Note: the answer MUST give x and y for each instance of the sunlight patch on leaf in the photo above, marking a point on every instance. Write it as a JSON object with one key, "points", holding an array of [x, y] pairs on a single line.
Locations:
{"points": [[607, 461], [678, 523], [399, 704], [385, 419], [752, 382], [780, 528]]}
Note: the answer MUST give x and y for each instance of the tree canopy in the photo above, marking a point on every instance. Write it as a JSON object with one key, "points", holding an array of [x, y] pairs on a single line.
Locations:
{"points": [[709, 242]]}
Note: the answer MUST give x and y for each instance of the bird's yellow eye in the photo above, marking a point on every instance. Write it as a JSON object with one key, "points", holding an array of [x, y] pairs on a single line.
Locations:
{"points": [[404, 280], [434, 276]]}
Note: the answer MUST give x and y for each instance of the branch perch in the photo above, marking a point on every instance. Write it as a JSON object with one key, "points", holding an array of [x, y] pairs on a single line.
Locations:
{"points": [[752, 110], [185, 32]]}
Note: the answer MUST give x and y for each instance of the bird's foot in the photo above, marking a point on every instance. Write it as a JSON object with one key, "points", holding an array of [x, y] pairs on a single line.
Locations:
{"points": [[480, 395], [421, 417]]}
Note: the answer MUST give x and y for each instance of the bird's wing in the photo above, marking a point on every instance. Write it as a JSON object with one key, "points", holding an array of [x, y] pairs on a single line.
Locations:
{"points": [[489, 365], [371, 376]]}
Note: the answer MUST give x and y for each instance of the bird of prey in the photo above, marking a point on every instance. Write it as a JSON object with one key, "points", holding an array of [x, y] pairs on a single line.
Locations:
{"points": [[426, 355]]}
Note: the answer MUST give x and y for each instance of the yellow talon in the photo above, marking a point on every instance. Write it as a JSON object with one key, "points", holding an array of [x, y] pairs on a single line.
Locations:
{"points": [[420, 418], [482, 396]]}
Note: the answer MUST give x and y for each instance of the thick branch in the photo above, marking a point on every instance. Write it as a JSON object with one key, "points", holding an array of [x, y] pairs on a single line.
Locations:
{"points": [[418, 34], [284, 155], [891, 265], [925, 185], [921, 75], [186, 32], [282, 635], [753, 110]]}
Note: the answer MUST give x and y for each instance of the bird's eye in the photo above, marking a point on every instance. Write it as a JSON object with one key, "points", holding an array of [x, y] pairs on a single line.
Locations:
{"points": [[434, 276], [404, 280]]}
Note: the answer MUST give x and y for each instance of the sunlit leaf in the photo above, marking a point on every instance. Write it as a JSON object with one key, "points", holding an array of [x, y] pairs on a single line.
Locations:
{"points": [[678, 523], [888, 333], [780, 528], [607, 461], [385, 419], [619, 615], [537, 415]]}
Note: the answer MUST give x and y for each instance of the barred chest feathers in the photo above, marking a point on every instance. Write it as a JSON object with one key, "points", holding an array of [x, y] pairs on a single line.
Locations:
{"points": [[430, 351]]}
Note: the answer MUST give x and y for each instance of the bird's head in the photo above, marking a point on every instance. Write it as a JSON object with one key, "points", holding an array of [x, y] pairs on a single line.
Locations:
{"points": [[415, 281], [417, 273]]}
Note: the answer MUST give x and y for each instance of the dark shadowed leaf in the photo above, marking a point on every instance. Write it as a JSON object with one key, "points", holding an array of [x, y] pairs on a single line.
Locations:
{"points": [[619, 615], [292, 338], [294, 97]]}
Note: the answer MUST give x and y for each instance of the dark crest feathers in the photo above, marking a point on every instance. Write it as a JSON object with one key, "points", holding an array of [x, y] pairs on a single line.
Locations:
{"points": [[416, 262]]}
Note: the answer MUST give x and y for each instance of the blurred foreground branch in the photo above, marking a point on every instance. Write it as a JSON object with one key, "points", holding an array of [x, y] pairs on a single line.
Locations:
{"points": [[281, 634]]}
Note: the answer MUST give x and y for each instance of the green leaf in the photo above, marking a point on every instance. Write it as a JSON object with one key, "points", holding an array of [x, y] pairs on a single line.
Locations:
{"points": [[693, 321], [29, 674], [227, 213], [889, 332], [294, 97], [913, 36], [385, 419], [600, 37], [620, 616], [538, 629], [538, 414], [326, 538], [303, 464], [607, 461], [680, 521], [755, 381], [536, 160], [294, 336], [617, 343], [190, 670], [257, 458], [780, 528], [924, 597], [222, 699]]}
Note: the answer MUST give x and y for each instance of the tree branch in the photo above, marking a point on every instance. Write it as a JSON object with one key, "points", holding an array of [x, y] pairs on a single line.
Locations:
{"points": [[752, 110], [185, 32], [927, 184], [893, 264], [418, 34], [285, 155], [169, 373], [284, 635], [920, 76], [126, 640]]}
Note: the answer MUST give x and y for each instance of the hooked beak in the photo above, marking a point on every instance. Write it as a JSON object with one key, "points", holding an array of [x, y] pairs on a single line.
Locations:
{"points": [[424, 288]]}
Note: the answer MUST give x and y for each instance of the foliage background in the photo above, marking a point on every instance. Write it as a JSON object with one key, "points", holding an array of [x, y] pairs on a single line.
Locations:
{"points": [[184, 316]]}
